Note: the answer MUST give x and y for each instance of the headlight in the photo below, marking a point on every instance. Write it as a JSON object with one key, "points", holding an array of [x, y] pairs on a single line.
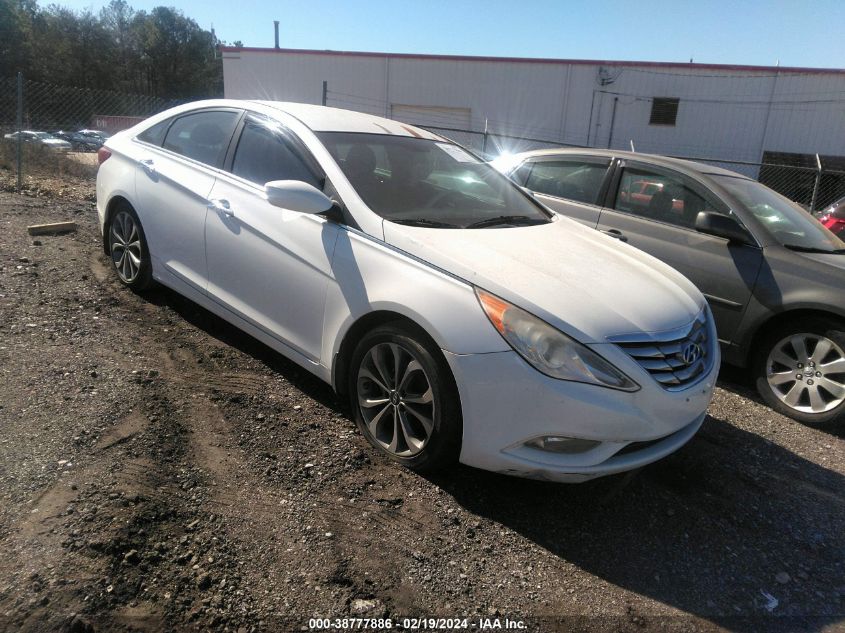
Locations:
{"points": [[548, 350]]}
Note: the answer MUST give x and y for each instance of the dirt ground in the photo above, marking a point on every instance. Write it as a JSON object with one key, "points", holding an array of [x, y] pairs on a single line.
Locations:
{"points": [[160, 470]]}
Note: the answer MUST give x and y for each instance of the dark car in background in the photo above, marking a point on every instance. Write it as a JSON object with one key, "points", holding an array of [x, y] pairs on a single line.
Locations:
{"points": [[80, 142], [773, 275]]}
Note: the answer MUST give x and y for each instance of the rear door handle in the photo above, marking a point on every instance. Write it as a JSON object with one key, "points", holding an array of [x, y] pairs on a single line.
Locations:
{"points": [[616, 234], [149, 165], [221, 206]]}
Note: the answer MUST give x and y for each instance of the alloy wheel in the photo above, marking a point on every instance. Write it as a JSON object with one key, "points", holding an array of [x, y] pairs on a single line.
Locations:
{"points": [[807, 373], [125, 239], [396, 399]]}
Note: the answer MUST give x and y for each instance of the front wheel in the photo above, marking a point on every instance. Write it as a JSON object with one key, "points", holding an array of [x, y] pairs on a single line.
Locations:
{"points": [[800, 370], [404, 398]]}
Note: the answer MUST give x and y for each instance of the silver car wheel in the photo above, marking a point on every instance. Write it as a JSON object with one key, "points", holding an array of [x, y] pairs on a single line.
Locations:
{"points": [[396, 399], [125, 244], [807, 373]]}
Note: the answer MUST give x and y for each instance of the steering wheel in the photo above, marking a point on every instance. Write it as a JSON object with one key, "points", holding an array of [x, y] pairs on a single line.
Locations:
{"points": [[443, 196]]}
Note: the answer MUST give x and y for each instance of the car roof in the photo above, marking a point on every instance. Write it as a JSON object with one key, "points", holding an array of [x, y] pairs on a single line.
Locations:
{"points": [[654, 159], [326, 119]]}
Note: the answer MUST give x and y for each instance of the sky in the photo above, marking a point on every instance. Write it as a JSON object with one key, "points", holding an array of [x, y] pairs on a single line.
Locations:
{"points": [[756, 32]]}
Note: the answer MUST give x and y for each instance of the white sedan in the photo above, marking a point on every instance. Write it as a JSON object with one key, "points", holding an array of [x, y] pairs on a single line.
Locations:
{"points": [[462, 319]]}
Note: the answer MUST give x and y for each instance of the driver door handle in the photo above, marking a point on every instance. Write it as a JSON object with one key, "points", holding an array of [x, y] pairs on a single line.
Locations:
{"points": [[615, 233], [221, 205]]}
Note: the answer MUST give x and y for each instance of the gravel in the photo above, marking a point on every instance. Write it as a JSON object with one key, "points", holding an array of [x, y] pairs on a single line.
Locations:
{"points": [[159, 470]]}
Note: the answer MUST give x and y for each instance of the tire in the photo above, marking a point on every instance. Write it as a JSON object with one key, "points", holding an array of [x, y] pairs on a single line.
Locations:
{"points": [[419, 423], [127, 246], [799, 370]]}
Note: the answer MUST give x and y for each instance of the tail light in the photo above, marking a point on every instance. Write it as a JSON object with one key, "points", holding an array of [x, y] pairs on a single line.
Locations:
{"points": [[103, 155]]}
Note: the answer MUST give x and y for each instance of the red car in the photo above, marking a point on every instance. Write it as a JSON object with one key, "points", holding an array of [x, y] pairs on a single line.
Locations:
{"points": [[833, 217]]}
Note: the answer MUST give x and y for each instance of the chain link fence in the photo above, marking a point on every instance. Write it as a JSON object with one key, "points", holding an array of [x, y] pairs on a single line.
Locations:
{"points": [[80, 119], [51, 131], [814, 187]]}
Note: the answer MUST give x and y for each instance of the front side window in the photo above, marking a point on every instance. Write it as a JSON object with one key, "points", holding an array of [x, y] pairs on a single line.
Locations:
{"points": [[429, 183], [203, 136], [788, 223], [663, 197], [577, 180], [263, 155]]}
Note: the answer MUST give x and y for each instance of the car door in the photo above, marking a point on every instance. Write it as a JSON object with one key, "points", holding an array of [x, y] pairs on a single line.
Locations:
{"points": [[268, 265], [570, 186], [177, 165], [655, 209]]}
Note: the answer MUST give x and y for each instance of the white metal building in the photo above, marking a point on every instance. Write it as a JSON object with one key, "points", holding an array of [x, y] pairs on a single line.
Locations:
{"points": [[697, 110]]}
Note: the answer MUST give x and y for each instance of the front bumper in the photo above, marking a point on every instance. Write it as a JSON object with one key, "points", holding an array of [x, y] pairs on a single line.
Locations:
{"points": [[506, 403]]}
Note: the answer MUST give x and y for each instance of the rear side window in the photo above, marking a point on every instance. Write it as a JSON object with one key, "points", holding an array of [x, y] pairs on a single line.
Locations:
{"points": [[578, 180], [263, 154], [155, 135], [203, 136]]}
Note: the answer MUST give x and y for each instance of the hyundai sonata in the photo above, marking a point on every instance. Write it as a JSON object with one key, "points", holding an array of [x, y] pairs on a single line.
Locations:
{"points": [[462, 319]]}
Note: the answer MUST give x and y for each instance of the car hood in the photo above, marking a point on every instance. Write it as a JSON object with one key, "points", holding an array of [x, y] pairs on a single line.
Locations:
{"points": [[587, 284], [837, 260]]}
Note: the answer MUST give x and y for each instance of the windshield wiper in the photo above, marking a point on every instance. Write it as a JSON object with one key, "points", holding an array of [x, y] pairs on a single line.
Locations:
{"points": [[813, 249], [424, 222], [504, 219]]}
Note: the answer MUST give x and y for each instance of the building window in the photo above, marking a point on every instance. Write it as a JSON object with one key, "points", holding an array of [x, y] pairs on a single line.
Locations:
{"points": [[664, 111]]}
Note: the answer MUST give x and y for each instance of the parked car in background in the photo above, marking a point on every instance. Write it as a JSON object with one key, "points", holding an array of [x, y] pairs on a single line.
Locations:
{"points": [[773, 275], [40, 138], [462, 319], [80, 142], [98, 134], [833, 217]]}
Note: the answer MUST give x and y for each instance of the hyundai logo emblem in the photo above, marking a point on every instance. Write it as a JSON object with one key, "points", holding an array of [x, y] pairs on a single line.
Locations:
{"points": [[691, 353]]}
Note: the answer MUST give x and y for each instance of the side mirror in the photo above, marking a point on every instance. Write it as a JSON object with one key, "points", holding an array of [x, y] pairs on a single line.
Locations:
{"points": [[721, 225], [296, 195]]}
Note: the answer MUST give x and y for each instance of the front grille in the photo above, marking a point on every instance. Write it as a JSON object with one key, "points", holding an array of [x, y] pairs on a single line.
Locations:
{"points": [[674, 359]]}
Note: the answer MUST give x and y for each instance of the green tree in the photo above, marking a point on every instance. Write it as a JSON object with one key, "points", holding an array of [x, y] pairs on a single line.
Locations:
{"points": [[161, 53]]}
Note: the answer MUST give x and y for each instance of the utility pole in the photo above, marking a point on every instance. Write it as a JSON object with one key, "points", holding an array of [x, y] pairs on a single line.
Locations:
{"points": [[325, 91]]}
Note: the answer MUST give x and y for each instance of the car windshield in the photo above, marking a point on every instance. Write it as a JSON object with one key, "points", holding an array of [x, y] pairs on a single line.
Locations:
{"points": [[431, 183], [43, 135], [788, 223]]}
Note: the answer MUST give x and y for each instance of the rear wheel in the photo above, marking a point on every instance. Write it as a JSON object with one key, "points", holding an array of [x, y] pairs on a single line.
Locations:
{"points": [[128, 248], [404, 398], [800, 370]]}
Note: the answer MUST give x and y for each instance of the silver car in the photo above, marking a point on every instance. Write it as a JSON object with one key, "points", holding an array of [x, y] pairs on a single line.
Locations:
{"points": [[44, 139], [773, 275]]}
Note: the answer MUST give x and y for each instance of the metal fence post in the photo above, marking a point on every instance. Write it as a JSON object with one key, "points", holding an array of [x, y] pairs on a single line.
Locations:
{"points": [[20, 131], [816, 184], [325, 91]]}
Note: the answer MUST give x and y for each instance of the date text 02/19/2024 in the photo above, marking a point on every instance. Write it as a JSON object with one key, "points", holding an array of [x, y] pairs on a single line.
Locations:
{"points": [[416, 624]]}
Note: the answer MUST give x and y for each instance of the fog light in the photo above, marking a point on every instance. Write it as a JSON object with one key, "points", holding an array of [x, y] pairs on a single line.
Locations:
{"points": [[569, 445]]}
